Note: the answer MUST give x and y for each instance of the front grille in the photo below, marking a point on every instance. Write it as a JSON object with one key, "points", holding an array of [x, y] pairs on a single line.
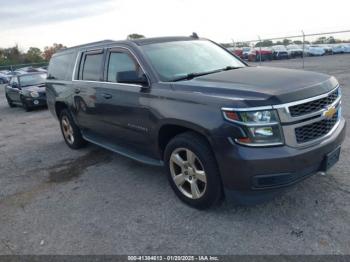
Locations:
{"points": [[315, 130], [313, 106]]}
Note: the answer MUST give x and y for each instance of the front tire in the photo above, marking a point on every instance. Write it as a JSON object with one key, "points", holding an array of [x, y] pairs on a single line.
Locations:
{"points": [[70, 131], [192, 170], [25, 106], [9, 102]]}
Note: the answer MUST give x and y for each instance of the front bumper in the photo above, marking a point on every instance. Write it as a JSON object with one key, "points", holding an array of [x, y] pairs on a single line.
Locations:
{"points": [[34, 102], [241, 167]]}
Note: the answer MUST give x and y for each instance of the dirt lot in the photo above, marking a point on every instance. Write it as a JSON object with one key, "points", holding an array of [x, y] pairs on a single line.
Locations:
{"points": [[57, 201]]}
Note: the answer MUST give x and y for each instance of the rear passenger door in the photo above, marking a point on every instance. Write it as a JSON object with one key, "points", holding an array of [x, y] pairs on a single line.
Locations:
{"points": [[124, 107], [88, 80]]}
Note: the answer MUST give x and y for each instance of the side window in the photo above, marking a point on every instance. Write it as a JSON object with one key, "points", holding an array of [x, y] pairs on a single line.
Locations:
{"points": [[91, 69], [60, 67], [120, 62]]}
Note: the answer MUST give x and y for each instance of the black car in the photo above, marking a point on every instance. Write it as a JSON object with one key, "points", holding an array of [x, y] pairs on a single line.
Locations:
{"points": [[220, 127], [27, 90], [3, 79]]}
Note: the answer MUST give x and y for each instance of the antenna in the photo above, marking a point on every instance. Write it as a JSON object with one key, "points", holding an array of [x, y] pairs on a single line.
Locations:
{"points": [[194, 35]]}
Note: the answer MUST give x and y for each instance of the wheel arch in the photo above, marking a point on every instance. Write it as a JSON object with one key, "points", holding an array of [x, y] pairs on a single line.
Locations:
{"points": [[171, 128], [59, 106]]}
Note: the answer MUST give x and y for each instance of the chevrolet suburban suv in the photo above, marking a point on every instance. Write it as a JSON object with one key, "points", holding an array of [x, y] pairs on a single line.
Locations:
{"points": [[220, 127]]}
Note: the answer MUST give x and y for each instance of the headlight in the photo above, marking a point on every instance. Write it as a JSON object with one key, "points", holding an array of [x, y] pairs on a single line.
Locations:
{"points": [[261, 128], [34, 94]]}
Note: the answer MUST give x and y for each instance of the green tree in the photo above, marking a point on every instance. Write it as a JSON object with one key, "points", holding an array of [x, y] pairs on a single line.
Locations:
{"points": [[11, 55], [264, 43], [320, 40], [286, 41], [134, 36], [50, 50], [298, 42], [34, 55]]}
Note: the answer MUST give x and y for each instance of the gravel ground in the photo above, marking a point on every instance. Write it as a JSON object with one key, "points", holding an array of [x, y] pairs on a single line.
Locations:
{"points": [[54, 200]]}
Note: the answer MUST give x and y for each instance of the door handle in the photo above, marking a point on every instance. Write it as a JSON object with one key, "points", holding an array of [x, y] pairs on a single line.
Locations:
{"points": [[107, 96], [77, 90]]}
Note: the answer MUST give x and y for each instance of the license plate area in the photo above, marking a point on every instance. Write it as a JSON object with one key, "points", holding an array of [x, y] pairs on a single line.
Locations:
{"points": [[331, 158]]}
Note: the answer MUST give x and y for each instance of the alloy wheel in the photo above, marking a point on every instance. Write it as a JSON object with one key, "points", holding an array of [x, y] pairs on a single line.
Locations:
{"points": [[188, 173], [67, 130]]}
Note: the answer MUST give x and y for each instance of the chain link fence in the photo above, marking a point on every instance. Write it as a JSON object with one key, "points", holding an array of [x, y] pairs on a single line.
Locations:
{"points": [[300, 46]]}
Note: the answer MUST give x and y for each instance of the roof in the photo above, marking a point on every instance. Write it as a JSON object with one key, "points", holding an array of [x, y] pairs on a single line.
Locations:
{"points": [[139, 42], [153, 40], [98, 43]]}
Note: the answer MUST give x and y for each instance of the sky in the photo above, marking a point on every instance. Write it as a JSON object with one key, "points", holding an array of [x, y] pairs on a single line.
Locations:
{"points": [[41, 23]]}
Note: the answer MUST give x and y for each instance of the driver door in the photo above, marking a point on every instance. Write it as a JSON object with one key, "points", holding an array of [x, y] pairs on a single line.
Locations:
{"points": [[124, 107], [13, 89]]}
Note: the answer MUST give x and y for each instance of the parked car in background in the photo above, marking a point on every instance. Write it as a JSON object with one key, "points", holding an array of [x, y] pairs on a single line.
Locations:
{"points": [[27, 69], [327, 49], [294, 51], [279, 52], [346, 48], [245, 52], [238, 52], [41, 69], [314, 50], [338, 49], [27, 90], [254, 54], [4, 72], [3, 79]]}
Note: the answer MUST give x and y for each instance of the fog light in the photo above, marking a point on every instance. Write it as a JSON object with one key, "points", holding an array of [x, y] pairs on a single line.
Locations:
{"points": [[261, 131]]}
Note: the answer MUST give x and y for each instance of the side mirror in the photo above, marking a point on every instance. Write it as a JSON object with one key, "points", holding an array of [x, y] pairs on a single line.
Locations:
{"points": [[15, 85], [132, 77]]}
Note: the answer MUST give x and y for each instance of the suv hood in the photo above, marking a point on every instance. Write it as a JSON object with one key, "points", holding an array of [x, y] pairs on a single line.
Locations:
{"points": [[260, 86]]}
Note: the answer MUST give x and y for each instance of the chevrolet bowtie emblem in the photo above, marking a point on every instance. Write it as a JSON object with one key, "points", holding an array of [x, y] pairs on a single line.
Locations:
{"points": [[329, 113]]}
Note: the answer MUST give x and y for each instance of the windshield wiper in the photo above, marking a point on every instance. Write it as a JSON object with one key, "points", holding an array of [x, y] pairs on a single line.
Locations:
{"points": [[230, 68], [193, 75]]}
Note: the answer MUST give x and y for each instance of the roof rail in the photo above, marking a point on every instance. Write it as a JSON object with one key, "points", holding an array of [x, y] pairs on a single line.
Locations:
{"points": [[107, 41]]}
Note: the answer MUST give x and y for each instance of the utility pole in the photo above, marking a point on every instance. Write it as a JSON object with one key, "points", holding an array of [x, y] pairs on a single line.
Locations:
{"points": [[302, 31], [259, 49]]}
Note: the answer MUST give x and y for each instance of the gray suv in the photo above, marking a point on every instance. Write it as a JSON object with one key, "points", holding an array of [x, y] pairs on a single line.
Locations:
{"points": [[220, 127]]}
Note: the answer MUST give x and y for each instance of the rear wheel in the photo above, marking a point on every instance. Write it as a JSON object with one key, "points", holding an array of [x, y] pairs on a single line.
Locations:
{"points": [[192, 171], [70, 131]]}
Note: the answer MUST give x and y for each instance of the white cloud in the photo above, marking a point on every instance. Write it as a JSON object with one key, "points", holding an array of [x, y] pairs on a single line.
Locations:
{"points": [[220, 20]]}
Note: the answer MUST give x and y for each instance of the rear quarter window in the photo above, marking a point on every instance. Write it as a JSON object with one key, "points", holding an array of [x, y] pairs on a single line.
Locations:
{"points": [[61, 67]]}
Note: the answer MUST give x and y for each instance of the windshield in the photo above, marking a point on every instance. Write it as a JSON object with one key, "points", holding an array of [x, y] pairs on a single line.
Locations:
{"points": [[32, 80], [173, 60]]}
